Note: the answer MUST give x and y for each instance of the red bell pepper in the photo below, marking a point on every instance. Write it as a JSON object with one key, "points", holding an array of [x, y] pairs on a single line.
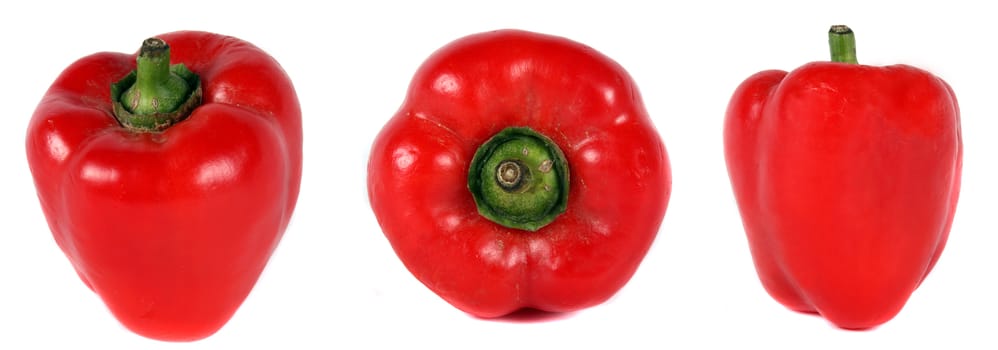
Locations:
{"points": [[522, 171], [169, 187], [847, 178]]}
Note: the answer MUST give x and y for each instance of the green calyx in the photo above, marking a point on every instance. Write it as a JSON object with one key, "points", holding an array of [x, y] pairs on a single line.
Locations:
{"points": [[519, 179], [842, 44], [155, 95]]}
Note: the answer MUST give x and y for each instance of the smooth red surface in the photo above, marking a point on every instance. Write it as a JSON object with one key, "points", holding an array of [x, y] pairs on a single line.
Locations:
{"points": [[589, 106], [847, 178], [171, 229]]}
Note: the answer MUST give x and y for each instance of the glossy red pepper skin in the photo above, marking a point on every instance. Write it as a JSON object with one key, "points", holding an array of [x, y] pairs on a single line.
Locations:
{"points": [[171, 229], [589, 106], [847, 178]]}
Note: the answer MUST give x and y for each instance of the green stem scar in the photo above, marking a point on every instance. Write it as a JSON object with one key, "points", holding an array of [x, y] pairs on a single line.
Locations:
{"points": [[519, 179]]}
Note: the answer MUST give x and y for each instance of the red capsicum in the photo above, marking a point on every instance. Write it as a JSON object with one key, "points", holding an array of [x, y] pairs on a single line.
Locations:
{"points": [[522, 171], [847, 178], [169, 186]]}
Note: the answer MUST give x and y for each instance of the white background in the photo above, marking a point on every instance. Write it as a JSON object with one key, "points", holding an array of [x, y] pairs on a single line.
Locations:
{"points": [[334, 282]]}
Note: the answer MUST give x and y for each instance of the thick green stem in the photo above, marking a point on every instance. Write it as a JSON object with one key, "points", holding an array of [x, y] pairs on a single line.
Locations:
{"points": [[842, 43], [519, 179], [155, 95]]}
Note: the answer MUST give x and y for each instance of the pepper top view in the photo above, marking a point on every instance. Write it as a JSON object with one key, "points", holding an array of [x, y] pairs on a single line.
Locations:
{"points": [[522, 171]]}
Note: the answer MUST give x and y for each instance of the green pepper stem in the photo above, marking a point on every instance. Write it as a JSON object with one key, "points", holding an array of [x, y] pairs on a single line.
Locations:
{"points": [[155, 95], [842, 43], [519, 179]]}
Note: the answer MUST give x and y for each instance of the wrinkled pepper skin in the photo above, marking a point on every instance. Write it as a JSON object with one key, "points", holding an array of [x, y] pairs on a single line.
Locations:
{"points": [[847, 178], [465, 93], [171, 229]]}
